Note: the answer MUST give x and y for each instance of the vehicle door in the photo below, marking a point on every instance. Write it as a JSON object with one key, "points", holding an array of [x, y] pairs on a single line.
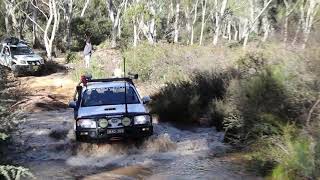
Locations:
{"points": [[1, 55]]}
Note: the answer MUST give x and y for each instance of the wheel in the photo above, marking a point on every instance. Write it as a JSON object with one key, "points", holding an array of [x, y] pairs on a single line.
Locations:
{"points": [[79, 138], [15, 70]]}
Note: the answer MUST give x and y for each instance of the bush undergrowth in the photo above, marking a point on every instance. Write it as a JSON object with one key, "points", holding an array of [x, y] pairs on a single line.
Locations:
{"points": [[260, 98]]}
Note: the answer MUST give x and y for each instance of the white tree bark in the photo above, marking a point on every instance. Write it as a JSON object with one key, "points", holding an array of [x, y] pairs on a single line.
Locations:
{"points": [[35, 40], [195, 10], [114, 15], [300, 24], [68, 19], [249, 28], [218, 18], [312, 11], [54, 16], [204, 9], [85, 8], [176, 22]]}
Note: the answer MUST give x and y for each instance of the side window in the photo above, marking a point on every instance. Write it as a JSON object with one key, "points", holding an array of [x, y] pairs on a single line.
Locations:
{"points": [[6, 51]]}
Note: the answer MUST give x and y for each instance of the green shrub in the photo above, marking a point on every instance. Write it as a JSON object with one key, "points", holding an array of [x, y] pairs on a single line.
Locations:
{"points": [[73, 57], [140, 60], [99, 28], [187, 101], [17, 173], [294, 155], [260, 104], [96, 69]]}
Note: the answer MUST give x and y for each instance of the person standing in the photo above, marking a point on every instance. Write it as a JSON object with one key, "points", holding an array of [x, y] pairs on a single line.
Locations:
{"points": [[87, 52]]}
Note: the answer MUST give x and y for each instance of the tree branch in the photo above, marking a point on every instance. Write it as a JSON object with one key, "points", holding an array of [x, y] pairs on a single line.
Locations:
{"points": [[35, 6]]}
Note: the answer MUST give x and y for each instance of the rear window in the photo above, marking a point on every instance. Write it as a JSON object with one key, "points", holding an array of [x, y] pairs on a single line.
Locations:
{"points": [[108, 96]]}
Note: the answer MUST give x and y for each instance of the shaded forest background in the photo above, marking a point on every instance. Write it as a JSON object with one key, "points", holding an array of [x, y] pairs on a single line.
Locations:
{"points": [[58, 26]]}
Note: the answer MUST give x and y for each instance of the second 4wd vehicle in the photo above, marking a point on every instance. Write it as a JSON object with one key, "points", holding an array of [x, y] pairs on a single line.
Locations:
{"points": [[109, 109], [19, 57]]}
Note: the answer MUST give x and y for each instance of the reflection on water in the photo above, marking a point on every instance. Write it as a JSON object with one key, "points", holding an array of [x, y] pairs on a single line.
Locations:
{"points": [[170, 154]]}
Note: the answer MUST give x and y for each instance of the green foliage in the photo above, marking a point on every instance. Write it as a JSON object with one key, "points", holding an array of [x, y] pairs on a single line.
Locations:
{"points": [[294, 154], [99, 28], [3, 136], [15, 173], [141, 59], [73, 57], [186, 101], [96, 69]]}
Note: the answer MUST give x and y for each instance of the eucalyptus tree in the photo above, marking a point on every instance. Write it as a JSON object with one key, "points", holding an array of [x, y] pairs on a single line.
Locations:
{"points": [[203, 16], [219, 14], [191, 14], [115, 8], [50, 10]]}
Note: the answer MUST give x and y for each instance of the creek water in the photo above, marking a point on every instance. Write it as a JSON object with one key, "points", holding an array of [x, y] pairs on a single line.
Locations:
{"points": [[45, 144]]}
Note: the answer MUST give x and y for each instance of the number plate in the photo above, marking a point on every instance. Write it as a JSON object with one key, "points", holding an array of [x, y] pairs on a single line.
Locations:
{"points": [[115, 131], [35, 68]]}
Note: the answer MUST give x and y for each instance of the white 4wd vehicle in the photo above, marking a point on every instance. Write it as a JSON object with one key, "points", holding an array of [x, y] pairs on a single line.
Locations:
{"points": [[20, 58], [110, 109]]}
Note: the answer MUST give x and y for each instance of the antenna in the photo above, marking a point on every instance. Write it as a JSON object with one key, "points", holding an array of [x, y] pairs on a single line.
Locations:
{"points": [[125, 85]]}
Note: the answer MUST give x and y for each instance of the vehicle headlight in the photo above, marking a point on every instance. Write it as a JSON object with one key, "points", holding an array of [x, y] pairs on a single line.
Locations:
{"points": [[103, 123], [126, 121], [144, 119], [87, 123], [22, 61], [41, 61]]}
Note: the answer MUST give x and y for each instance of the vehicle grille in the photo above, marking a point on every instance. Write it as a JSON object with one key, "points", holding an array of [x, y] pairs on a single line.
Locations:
{"points": [[114, 123], [35, 63]]}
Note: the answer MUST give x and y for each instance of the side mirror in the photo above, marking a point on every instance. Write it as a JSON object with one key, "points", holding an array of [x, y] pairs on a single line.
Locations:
{"points": [[72, 104], [146, 99]]}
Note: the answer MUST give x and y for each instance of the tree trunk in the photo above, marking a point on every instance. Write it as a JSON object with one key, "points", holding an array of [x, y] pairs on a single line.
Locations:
{"points": [[204, 7], [195, 9], [35, 39], [54, 16], [114, 15], [188, 22], [6, 19], [265, 24], [135, 34], [229, 30], [84, 8], [249, 29], [176, 23], [285, 28], [218, 17], [300, 25], [68, 23], [312, 11]]}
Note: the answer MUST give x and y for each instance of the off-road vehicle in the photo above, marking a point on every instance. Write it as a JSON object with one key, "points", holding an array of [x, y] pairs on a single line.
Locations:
{"points": [[19, 57], [110, 109]]}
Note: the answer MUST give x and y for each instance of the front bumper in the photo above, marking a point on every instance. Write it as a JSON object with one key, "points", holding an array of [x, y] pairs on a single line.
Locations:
{"points": [[130, 132], [28, 68]]}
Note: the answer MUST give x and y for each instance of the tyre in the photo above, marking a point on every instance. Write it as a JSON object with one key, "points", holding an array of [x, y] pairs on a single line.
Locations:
{"points": [[79, 138], [15, 70]]}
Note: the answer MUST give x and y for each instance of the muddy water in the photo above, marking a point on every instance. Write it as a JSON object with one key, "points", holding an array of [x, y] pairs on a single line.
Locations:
{"points": [[45, 144]]}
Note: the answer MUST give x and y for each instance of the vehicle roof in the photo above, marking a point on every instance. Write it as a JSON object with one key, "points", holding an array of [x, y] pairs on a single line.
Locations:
{"points": [[94, 85], [16, 45]]}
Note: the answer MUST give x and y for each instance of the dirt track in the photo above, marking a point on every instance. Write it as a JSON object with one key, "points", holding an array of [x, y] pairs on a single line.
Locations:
{"points": [[45, 143]]}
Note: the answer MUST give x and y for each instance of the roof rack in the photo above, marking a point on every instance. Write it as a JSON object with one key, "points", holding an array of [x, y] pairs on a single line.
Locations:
{"points": [[13, 41], [127, 79], [88, 78]]}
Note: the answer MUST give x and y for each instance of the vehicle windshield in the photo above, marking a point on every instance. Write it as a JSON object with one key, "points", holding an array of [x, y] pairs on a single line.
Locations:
{"points": [[21, 51], [108, 96]]}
